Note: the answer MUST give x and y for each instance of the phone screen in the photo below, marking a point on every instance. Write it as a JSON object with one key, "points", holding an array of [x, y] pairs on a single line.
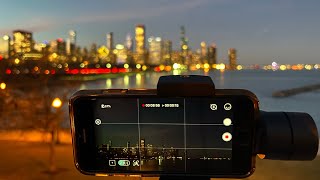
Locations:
{"points": [[163, 135]]}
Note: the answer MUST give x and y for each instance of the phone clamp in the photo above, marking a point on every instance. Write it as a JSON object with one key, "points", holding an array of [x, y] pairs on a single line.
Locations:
{"points": [[184, 86]]}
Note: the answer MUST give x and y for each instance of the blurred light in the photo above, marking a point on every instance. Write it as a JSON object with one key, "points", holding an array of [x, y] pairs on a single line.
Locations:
{"points": [[36, 68], [115, 51], [168, 68], [85, 63], [82, 65], [206, 70], [97, 66], [1, 57], [54, 55], [283, 67], [156, 69], [239, 67], [288, 66], [138, 66], [144, 67], [5, 37], [206, 66], [149, 40], [66, 64], [221, 66], [158, 39], [316, 66], [56, 103], [198, 66], [176, 66], [108, 65], [17, 61], [161, 67], [3, 86], [274, 64], [53, 71], [184, 47], [308, 67], [114, 70], [203, 43], [119, 46], [59, 66], [60, 40], [126, 66], [8, 71], [47, 71]]}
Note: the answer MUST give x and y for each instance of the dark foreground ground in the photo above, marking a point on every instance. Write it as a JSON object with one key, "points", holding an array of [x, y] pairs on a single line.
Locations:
{"points": [[21, 160]]}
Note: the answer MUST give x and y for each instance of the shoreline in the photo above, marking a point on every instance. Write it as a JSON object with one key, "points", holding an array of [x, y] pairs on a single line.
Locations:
{"points": [[41, 136]]}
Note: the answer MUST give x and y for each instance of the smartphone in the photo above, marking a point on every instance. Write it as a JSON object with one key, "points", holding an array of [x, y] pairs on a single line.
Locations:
{"points": [[137, 132]]}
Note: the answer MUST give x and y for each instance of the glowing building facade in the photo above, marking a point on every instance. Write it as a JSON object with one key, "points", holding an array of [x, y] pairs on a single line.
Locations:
{"points": [[232, 53], [140, 44], [22, 41]]}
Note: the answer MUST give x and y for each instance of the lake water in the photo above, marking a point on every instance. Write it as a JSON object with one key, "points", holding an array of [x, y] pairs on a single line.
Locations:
{"points": [[262, 83]]}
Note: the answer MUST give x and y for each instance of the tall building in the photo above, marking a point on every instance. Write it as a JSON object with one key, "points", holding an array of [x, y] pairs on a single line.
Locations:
{"points": [[110, 40], [167, 52], [203, 52], [184, 48], [142, 147], [140, 44], [71, 43], [22, 41], [155, 48], [129, 43], [212, 54], [232, 58], [5, 47], [61, 47]]}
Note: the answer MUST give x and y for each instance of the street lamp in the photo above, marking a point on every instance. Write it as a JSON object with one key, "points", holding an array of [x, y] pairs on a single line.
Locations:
{"points": [[56, 103], [3, 86]]}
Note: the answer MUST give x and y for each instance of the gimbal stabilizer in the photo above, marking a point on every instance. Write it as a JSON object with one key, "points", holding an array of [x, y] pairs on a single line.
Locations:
{"points": [[278, 135]]}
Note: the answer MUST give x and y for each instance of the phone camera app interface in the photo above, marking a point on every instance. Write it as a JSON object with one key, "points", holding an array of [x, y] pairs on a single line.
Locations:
{"points": [[164, 134]]}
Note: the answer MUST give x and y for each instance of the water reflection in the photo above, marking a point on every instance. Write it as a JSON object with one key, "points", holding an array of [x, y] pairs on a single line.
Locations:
{"points": [[126, 81], [138, 79], [108, 84]]}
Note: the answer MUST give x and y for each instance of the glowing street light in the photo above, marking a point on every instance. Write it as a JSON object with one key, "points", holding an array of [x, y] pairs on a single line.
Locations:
{"points": [[3, 86], [56, 103]]}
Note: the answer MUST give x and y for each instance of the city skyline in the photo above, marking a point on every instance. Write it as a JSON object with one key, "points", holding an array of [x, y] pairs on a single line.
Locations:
{"points": [[284, 31]]}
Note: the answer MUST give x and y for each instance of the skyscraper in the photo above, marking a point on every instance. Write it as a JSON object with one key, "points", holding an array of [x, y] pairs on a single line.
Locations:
{"points": [[22, 41], [71, 43], [143, 147], [110, 40], [232, 58], [212, 54], [155, 48], [203, 52], [184, 48], [140, 44], [4, 47], [167, 52], [129, 43]]}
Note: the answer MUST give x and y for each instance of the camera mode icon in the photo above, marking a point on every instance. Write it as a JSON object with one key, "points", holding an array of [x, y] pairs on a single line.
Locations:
{"points": [[112, 163], [227, 106], [213, 107]]}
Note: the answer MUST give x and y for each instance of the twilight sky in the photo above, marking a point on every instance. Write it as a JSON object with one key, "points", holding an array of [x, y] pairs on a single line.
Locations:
{"points": [[286, 31]]}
